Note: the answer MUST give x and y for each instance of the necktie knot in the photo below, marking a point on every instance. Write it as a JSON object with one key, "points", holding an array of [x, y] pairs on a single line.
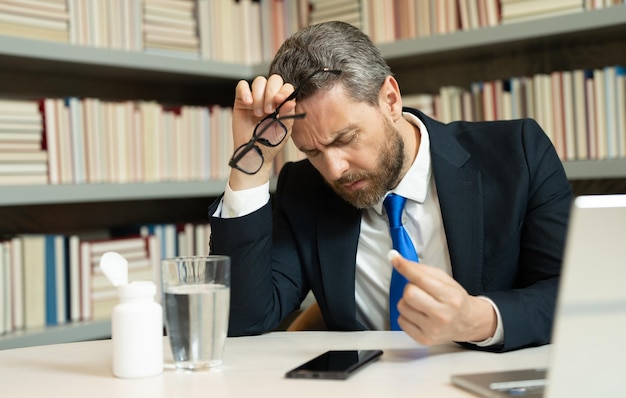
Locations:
{"points": [[394, 204]]}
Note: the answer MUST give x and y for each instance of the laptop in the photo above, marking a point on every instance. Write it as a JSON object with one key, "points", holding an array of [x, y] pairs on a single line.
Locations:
{"points": [[588, 352]]}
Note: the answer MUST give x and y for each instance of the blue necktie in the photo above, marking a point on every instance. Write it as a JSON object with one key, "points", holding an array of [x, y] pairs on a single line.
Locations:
{"points": [[394, 204]]}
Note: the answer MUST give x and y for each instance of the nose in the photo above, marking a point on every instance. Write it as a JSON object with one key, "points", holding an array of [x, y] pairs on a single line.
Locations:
{"points": [[336, 164]]}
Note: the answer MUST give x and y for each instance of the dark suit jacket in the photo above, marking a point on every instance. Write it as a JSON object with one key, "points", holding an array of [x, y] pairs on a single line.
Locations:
{"points": [[504, 199]]}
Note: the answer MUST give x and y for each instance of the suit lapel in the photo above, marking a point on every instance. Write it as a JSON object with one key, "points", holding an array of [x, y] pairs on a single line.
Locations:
{"points": [[338, 234], [459, 188], [461, 208]]}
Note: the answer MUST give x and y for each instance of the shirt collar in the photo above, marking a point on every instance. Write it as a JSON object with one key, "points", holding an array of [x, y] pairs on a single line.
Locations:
{"points": [[414, 184]]}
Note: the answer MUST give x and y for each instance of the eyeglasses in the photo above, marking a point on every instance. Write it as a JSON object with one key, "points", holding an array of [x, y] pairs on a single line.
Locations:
{"points": [[270, 131]]}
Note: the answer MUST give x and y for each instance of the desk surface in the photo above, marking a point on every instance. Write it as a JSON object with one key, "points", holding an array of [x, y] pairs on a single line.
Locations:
{"points": [[255, 367]]}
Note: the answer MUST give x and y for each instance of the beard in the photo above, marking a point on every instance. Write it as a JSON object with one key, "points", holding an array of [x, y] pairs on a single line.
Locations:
{"points": [[382, 179]]}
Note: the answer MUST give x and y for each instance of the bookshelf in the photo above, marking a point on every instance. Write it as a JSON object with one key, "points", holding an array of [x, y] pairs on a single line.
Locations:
{"points": [[80, 193], [548, 30], [595, 169], [57, 335], [589, 39], [36, 69]]}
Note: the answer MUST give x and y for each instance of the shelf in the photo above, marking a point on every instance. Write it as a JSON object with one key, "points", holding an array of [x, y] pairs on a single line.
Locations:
{"points": [[547, 32], [607, 21], [35, 69], [62, 58], [581, 40], [39, 68], [52, 194], [57, 335], [82, 193], [595, 169]]}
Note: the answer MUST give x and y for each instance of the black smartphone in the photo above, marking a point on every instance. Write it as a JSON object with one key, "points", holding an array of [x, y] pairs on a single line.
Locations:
{"points": [[334, 364]]}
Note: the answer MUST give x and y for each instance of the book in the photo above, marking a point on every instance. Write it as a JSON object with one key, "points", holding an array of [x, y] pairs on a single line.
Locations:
{"points": [[120, 245], [51, 133], [94, 140], [19, 168], [342, 10], [65, 156], [21, 146], [611, 112], [6, 324], [171, 26], [61, 278], [50, 260], [18, 107], [591, 111], [35, 20], [45, 10], [620, 109], [19, 126], [556, 113], [74, 282], [21, 136], [202, 236], [85, 280], [569, 121], [17, 283], [38, 156], [102, 295], [77, 135], [490, 101], [23, 179], [579, 99], [533, 8], [600, 113], [34, 283], [33, 32]]}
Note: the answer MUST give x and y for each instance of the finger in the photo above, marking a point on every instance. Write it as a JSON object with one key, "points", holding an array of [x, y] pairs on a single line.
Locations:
{"points": [[416, 300], [432, 280], [426, 324], [411, 270], [243, 95], [286, 90], [276, 92], [259, 88], [416, 332], [274, 84]]}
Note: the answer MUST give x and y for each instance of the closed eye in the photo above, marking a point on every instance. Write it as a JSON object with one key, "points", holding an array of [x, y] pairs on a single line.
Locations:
{"points": [[344, 138], [311, 153]]}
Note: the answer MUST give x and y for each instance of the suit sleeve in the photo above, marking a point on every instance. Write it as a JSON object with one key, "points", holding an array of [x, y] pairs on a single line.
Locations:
{"points": [[266, 279], [528, 308]]}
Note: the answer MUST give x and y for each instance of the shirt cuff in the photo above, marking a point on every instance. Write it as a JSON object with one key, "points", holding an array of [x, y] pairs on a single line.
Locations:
{"points": [[498, 335], [242, 202]]}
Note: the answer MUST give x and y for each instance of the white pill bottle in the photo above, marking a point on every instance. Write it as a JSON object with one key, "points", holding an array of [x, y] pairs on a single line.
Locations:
{"points": [[137, 331]]}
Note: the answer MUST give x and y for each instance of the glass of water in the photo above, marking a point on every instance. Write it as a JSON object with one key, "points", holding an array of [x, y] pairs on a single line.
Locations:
{"points": [[196, 294]]}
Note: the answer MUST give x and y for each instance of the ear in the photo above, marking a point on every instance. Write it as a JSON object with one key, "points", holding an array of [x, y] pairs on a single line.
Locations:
{"points": [[390, 98]]}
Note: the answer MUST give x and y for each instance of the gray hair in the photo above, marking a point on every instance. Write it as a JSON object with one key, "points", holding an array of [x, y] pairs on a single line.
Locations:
{"points": [[332, 45]]}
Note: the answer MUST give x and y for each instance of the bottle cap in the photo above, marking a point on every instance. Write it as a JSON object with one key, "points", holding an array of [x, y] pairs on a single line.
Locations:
{"points": [[137, 289]]}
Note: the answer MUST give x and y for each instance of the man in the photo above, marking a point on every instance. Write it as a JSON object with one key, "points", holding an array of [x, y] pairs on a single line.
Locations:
{"points": [[486, 210]]}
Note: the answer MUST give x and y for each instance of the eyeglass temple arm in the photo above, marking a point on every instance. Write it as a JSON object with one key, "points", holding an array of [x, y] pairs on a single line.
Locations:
{"points": [[295, 92]]}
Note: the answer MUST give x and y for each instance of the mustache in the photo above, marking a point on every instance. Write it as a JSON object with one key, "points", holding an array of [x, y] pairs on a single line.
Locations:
{"points": [[350, 178]]}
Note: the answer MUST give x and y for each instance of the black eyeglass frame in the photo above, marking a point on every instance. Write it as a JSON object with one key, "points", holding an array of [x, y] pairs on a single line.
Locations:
{"points": [[257, 136]]}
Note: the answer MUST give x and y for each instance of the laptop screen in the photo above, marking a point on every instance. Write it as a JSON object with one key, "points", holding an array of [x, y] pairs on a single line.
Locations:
{"points": [[588, 352], [588, 357]]}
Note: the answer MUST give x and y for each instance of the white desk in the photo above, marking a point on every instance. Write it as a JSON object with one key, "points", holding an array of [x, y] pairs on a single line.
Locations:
{"points": [[255, 367]]}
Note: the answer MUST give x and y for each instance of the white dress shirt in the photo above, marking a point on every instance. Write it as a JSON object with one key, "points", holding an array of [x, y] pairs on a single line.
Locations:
{"points": [[421, 218]]}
